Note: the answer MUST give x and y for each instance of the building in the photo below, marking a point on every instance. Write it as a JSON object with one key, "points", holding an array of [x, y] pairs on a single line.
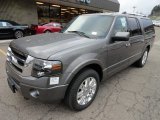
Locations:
{"points": [[43, 11]]}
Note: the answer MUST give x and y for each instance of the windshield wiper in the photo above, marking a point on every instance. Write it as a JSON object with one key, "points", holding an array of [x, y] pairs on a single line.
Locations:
{"points": [[80, 33]]}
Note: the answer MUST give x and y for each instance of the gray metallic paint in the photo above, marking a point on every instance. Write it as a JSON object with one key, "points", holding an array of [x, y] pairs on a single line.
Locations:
{"points": [[77, 52]]}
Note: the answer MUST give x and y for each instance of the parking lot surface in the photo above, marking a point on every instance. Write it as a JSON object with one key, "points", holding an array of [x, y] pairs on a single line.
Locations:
{"points": [[132, 94]]}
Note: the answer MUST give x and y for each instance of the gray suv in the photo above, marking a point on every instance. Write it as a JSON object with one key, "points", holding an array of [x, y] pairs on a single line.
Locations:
{"points": [[70, 65]]}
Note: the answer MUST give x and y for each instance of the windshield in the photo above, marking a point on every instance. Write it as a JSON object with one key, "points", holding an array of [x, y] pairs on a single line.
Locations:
{"points": [[91, 25]]}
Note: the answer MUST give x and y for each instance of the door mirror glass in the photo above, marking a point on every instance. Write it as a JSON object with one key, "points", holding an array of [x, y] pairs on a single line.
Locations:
{"points": [[121, 36]]}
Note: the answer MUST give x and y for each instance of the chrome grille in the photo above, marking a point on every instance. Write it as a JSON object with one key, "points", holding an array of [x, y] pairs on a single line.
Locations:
{"points": [[19, 54], [19, 61]]}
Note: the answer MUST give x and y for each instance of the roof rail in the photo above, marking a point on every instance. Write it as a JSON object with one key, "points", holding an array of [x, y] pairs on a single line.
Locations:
{"points": [[134, 14]]}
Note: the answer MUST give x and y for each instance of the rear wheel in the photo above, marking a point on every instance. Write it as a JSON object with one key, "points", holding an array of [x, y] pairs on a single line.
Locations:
{"points": [[83, 90], [142, 61], [18, 34]]}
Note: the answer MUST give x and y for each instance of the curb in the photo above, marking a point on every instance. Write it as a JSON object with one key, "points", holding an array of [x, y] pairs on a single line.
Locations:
{"points": [[5, 41]]}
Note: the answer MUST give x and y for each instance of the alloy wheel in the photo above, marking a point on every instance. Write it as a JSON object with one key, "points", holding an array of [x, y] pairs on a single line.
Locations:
{"points": [[86, 91], [144, 58]]}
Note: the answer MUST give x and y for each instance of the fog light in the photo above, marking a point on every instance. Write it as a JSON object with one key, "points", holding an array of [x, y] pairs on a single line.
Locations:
{"points": [[34, 93], [54, 80]]}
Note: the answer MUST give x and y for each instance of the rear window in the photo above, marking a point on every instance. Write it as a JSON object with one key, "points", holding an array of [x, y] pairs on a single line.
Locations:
{"points": [[135, 28], [148, 26]]}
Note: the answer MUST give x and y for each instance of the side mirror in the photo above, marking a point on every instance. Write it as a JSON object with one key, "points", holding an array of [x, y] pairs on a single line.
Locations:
{"points": [[121, 36]]}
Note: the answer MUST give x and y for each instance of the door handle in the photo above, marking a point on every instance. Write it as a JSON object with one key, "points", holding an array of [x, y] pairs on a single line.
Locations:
{"points": [[128, 44]]}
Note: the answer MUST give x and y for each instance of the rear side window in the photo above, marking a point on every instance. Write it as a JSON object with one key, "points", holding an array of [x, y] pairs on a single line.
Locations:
{"points": [[4, 24], [148, 26], [1, 24], [135, 28]]}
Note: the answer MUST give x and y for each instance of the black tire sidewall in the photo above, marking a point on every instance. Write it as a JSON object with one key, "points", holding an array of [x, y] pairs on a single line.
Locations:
{"points": [[75, 86]]}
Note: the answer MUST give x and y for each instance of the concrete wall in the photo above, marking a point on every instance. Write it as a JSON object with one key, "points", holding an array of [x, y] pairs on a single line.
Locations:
{"points": [[20, 11]]}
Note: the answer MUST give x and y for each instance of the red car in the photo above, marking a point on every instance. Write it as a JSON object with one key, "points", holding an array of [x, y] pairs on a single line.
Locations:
{"points": [[47, 28]]}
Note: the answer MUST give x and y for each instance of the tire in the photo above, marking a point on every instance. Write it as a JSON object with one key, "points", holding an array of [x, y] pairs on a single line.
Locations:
{"points": [[142, 61], [78, 87], [47, 31], [18, 34]]}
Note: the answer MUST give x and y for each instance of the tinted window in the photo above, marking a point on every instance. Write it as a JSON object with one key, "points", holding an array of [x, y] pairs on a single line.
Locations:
{"points": [[56, 25], [148, 26], [135, 28], [120, 25], [4, 24], [13, 23], [1, 24]]}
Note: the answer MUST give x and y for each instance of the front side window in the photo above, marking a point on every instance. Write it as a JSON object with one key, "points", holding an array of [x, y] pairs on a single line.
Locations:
{"points": [[91, 25], [135, 28], [120, 25]]}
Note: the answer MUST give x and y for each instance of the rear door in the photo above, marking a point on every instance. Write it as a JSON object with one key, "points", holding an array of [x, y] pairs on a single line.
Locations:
{"points": [[136, 39]]}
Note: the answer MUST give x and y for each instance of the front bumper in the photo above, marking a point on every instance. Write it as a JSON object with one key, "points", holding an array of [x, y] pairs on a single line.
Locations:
{"points": [[45, 94]]}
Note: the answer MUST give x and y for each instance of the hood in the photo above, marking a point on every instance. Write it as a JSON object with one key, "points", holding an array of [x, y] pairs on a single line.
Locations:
{"points": [[44, 45]]}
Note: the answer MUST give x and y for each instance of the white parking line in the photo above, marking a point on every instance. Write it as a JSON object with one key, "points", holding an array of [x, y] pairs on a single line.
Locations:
{"points": [[2, 52]]}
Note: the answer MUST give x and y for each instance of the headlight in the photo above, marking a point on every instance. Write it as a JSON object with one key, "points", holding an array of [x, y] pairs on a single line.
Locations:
{"points": [[43, 68]]}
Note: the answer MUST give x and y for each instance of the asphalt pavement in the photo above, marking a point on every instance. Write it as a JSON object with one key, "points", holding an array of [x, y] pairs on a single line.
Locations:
{"points": [[132, 94]]}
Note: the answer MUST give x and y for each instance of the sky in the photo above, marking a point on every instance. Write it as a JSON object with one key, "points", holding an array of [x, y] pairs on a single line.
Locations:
{"points": [[142, 6]]}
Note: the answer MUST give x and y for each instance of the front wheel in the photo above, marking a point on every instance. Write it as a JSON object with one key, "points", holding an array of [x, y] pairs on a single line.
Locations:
{"points": [[142, 61], [83, 90]]}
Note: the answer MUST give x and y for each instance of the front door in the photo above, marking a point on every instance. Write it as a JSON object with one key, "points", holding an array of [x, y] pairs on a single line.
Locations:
{"points": [[118, 52]]}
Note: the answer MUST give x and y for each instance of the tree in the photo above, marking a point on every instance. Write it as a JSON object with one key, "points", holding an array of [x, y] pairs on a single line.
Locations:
{"points": [[156, 10]]}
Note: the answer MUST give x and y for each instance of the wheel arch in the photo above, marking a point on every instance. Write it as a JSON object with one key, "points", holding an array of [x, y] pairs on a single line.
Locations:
{"points": [[46, 30], [19, 30], [95, 66], [92, 64], [148, 47]]}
